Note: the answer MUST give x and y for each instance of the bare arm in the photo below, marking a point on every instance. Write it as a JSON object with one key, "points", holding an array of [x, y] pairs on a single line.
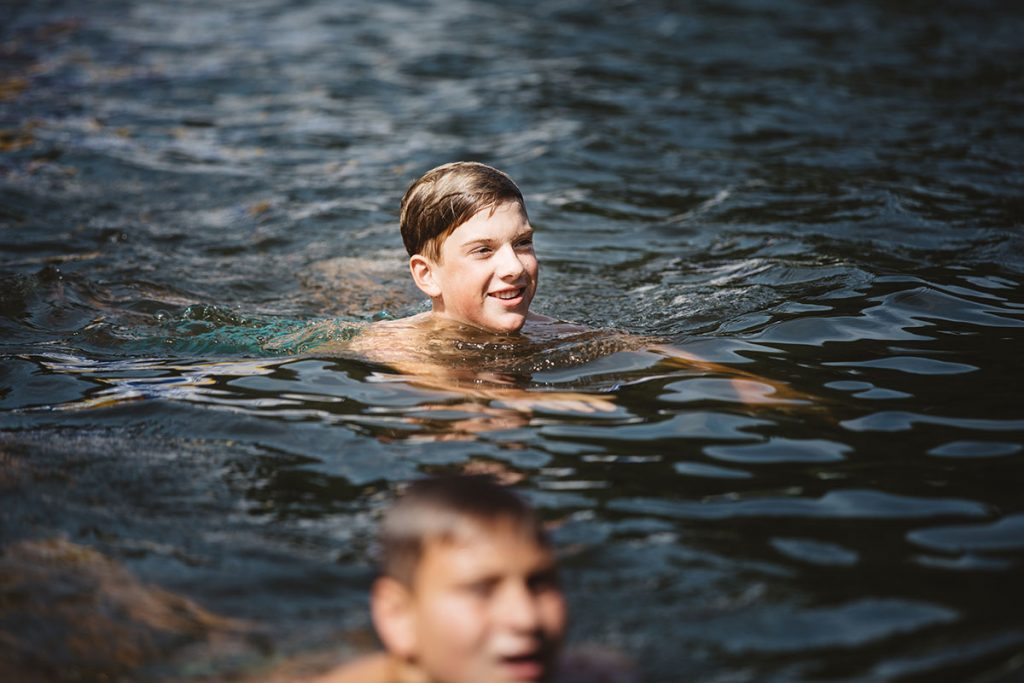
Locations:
{"points": [[749, 388], [402, 345], [522, 400]]}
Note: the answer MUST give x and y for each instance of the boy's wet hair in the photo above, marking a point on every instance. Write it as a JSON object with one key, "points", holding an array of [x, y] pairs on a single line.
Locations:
{"points": [[439, 509], [446, 197]]}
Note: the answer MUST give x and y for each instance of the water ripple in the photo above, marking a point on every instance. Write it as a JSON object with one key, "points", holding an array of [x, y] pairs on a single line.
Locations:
{"points": [[815, 552], [1005, 534], [825, 196], [847, 504], [911, 364], [846, 625], [780, 449], [901, 421]]}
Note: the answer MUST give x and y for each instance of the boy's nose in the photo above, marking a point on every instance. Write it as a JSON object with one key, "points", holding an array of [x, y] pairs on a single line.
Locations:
{"points": [[510, 267], [517, 608]]}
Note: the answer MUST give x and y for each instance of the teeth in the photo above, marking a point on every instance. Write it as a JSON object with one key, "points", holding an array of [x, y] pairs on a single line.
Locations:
{"points": [[508, 295]]}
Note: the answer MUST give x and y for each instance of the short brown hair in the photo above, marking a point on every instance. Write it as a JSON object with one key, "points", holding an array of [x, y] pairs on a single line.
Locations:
{"points": [[446, 197], [439, 509]]}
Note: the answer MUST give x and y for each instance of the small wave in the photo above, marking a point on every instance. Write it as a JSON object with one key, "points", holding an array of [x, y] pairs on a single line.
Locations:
{"points": [[1006, 534], [901, 421], [848, 504]]}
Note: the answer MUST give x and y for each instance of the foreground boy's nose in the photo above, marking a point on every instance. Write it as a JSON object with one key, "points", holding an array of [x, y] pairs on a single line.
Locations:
{"points": [[517, 608]]}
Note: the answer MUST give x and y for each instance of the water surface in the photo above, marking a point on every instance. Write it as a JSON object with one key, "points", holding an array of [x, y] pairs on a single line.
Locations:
{"points": [[194, 199]]}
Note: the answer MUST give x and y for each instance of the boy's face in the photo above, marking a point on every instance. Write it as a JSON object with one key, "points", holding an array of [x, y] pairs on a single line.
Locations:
{"points": [[487, 272], [486, 607]]}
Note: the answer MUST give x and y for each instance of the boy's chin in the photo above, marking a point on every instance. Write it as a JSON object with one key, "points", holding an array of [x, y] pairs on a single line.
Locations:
{"points": [[508, 324]]}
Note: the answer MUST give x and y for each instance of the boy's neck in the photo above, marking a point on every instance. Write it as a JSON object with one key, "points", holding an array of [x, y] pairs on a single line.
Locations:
{"points": [[439, 319], [407, 672]]}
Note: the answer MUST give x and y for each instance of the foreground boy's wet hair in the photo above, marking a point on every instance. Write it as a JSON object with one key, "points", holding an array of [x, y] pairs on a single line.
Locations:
{"points": [[444, 509]]}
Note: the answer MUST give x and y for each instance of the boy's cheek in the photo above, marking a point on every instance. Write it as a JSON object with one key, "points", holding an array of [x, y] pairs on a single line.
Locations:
{"points": [[558, 616], [457, 614]]}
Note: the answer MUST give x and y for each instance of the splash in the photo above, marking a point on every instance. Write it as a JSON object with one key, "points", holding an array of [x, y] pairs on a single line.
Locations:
{"points": [[204, 330]]}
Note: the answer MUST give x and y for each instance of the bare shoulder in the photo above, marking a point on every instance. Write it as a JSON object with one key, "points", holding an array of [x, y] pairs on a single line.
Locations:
{"points": [[393, 341], [400, 326], [375, 668]]}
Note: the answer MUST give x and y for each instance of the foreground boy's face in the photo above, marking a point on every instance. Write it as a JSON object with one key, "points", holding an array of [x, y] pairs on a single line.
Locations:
{"points": [[487, 608], [488, 271]]}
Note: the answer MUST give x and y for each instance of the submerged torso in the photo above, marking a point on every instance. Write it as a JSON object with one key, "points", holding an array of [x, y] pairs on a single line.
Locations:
{"points": [[428, 341]]}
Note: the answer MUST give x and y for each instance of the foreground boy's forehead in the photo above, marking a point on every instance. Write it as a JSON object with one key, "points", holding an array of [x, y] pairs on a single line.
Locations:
{"points": [[480, 542], [464, 531], [483, 554]]}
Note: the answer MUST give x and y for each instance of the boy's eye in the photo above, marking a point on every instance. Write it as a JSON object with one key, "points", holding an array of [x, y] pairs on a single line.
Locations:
{"points": [[480, 588], [545, 581], [525, 242]]}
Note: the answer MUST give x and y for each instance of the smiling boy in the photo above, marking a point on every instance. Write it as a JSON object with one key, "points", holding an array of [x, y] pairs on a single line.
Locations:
{"points": [[470, 243], [470, 246]]}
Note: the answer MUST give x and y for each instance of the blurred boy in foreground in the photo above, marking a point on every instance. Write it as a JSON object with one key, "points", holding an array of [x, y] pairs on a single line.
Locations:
{"points": [[468, 592]]}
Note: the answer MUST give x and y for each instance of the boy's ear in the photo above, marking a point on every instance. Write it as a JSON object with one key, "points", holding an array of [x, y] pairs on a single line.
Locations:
{"points": [[422, 270], [394, 617]]}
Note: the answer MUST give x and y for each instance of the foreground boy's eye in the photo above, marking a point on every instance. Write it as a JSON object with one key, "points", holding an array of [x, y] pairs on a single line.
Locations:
{"points": [[543, 581], [482, 588]]}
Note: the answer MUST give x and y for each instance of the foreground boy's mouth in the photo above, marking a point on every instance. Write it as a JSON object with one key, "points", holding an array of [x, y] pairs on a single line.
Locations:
{"points": [[527, 666]]}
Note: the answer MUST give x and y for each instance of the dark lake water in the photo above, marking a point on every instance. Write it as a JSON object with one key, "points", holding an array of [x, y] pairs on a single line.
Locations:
{"points": [[830, 195]]}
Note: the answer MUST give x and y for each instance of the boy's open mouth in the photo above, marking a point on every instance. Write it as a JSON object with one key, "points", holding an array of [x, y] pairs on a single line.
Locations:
{"points": [[528, 666], [508, 294]]}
